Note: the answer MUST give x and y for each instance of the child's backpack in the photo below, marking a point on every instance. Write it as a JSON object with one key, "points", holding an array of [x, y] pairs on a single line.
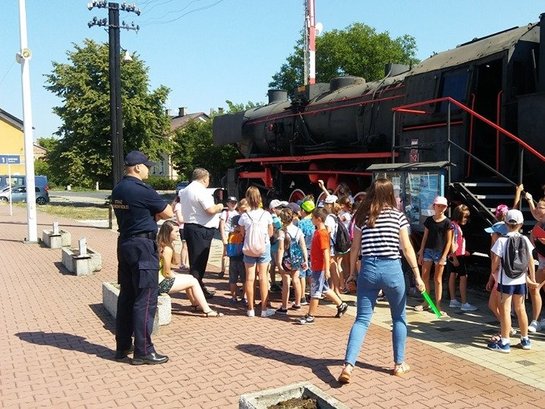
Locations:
{"points": [[293, 255], [235, 240], [515, 258], [342, 238], [254, 244]]}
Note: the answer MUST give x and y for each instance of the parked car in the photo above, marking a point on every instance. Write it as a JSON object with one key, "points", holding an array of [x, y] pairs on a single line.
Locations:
{"points": [[18, 194], [20, 180]]}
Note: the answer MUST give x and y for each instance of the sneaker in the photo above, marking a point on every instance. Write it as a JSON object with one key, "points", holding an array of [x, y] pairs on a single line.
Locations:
{"points": [[512, 332], [341, 309], [269, 312], [250, 313], [467, 307], [304, 301], [525, 343], [295, 307], [307, 319], [455, 304], [534, 326], [281, 310], [498, 346]]}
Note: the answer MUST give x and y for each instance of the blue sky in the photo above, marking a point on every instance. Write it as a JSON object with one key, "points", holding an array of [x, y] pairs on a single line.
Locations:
{"points": [[210, 51]]}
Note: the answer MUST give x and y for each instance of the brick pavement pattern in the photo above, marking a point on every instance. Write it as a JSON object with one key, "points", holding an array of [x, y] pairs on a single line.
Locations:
{"points": [[56, 343]]}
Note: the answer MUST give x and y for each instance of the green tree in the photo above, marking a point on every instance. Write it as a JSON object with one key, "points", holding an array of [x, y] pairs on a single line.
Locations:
{"points": [[357, 50], [83, 155], [194, 147]]}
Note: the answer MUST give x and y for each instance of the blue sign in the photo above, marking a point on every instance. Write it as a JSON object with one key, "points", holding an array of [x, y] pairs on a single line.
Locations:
{"points": [[10, 159]]}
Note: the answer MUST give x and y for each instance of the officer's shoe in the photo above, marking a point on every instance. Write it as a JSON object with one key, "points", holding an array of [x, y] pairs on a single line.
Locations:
{"points": [[121, 355], [150, 359]]}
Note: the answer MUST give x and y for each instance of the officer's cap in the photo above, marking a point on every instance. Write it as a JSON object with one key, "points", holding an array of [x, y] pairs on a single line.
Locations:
{"points": [[137, 158]]}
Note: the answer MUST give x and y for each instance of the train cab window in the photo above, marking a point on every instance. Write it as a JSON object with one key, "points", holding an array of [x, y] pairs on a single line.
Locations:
{"points": [[454, 85]]}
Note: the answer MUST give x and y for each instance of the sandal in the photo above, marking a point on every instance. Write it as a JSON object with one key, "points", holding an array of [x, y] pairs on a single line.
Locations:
{"points": [[345, 375], [401, 369], [212, 313], [421, 307]]}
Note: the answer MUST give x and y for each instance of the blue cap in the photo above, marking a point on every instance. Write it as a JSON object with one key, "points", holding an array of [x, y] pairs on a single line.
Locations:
{"points": [[499, 228], [138, 158]]}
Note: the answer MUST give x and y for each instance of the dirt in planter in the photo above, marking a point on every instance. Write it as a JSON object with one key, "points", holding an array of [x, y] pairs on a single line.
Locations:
{"points": [[296, 403]]}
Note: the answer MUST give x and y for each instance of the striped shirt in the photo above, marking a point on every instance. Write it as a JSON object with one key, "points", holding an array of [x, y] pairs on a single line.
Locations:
{"points": [[383, 239]]}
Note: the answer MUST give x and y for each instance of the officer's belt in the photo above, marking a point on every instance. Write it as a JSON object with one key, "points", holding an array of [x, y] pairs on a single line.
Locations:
{"points": [[146, 235]]}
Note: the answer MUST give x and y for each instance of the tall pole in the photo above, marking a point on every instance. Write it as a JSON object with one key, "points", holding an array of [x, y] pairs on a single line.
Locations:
{"points": [[114, 48], [23, 58], [310, 43], [116, 113]]}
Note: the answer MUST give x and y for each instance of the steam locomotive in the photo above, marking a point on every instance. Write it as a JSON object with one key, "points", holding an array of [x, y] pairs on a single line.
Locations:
{"points": [[479, 107]]}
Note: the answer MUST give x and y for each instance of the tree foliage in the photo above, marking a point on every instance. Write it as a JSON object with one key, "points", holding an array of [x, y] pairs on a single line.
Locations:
{"points": [[193, 147], [83, 155], [357, 50]]}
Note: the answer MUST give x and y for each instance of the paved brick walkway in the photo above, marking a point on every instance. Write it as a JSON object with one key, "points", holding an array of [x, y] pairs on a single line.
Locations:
{"points": [[56, 344]]}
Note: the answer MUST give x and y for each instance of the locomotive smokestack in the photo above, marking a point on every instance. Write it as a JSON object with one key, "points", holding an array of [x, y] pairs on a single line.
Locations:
{"points": [[277, 95], [541, 83]]}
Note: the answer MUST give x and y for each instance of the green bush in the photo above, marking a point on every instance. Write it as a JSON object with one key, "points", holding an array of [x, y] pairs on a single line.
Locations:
{"points": [[161, 183]]}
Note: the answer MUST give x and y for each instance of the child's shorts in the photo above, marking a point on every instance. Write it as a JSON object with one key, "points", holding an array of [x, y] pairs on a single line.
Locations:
{"points": [[433, 255], [236, 270], [519, 289], [263, 259], [305, 273], [461, 270], [318, 284]]}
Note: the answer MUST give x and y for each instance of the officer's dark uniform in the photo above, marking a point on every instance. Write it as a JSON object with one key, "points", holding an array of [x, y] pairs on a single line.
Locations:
{"points": [[135, 205]]}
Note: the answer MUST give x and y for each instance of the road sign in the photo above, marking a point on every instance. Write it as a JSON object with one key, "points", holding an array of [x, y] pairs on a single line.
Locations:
{"points": [[10, 159]]}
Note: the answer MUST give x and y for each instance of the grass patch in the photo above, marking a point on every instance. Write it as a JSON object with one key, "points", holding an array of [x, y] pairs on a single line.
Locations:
{"points": [[76, 211]]}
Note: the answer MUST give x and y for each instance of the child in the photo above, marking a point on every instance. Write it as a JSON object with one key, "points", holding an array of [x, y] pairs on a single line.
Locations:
{"points": [[226, 227], [538, 240], [307, 227], [434, 249], [237, 272], [170, 282], [457, 260], [512, 289], [320, 253], [294, 258]]}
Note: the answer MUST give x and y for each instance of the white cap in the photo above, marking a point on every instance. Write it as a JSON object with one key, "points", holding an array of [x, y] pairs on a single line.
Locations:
{"points": [[274, 204], [514, 216], [331, 199]]}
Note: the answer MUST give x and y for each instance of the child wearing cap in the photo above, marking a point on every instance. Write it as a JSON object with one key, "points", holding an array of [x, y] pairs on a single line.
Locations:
{"points": [[307, 227], [226, 226], [435, 247], [512, 289]]}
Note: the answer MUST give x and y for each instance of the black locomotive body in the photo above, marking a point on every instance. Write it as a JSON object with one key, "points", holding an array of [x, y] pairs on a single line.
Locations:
{"points": [[335, 131]]}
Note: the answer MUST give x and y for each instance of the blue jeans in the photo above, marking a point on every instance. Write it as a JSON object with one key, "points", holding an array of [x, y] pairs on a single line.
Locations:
{"points": [[379, 273]]}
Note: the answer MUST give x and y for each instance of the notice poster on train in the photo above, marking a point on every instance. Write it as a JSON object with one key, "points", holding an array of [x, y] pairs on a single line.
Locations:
{"points": [[420, 191]]}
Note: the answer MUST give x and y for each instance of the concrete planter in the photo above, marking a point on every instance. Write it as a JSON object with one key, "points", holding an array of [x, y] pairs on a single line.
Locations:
{"points": [[81, 265], [267, 398], [110, 293], [56, 240]]}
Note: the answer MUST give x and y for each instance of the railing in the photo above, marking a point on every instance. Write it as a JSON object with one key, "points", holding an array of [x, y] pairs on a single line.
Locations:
{"points": [[410, 109]]}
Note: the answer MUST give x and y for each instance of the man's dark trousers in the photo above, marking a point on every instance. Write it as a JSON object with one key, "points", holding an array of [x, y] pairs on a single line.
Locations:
{"points": [[199, 240]]}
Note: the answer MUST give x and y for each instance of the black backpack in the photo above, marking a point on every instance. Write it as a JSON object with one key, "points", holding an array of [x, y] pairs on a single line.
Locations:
{"points": [[342, 238], [515, 258]]}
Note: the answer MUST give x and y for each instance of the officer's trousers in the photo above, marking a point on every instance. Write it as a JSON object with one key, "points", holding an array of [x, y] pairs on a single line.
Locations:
{"points": [[138, 269]]}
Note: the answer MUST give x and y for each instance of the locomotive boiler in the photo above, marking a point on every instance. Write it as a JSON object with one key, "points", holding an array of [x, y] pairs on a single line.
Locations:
{"points": [[480, 107]]}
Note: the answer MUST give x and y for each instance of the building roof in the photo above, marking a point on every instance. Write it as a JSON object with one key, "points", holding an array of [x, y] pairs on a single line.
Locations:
{"points": [[181, 121], [14, 121]]}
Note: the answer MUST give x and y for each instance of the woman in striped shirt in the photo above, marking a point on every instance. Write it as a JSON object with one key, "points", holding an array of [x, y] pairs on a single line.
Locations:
{"points": [[380, 231]]}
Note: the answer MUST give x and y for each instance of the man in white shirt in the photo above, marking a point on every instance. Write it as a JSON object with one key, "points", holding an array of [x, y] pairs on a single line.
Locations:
{"points": [[201, 217]]}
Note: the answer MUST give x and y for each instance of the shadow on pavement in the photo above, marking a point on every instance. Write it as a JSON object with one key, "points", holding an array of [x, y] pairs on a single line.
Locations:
{"points": [[319, 367], [66, 341], [102, 313]]}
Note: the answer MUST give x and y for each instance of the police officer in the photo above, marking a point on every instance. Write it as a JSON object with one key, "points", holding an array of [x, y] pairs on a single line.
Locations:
{"points": [[137, 207]]}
